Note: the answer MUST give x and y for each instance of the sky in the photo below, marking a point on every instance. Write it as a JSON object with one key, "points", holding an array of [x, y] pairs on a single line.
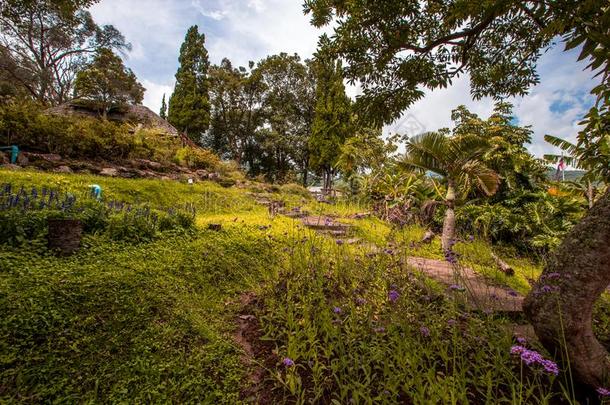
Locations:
{"points": [[249, 30]]}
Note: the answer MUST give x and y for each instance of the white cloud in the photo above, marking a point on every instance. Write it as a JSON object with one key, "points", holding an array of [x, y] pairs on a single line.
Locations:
{"points": [[154, 94], [213, 14]]}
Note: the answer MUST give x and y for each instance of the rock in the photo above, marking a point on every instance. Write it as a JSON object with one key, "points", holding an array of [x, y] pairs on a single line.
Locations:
{"points": [[109, 171], [10, 166], [49, 157], [4, 159], [202, 174], [147, 164], [22, 160], [63, 169]]}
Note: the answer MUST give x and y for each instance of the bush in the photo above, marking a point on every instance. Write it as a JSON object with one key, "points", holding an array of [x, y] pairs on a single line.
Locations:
{"points": [[196, 158], [24, 216], [23, 123], [296, 189]]}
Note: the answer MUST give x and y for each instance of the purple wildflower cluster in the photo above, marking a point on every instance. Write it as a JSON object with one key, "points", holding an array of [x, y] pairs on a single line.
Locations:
{"points": [[393, 296], [337, 310], [425, 332], [532, 357], [603, 392], [451, 257], [288, 362], [34, 199]]}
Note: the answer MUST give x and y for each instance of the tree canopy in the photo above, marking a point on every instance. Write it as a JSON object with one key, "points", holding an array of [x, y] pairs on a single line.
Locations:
{"points": [[44, 43], [108, 82]]}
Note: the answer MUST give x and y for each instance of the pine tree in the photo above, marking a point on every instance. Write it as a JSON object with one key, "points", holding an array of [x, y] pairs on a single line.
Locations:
{"points": [[331, 124], [189, 106], [163, 112]]}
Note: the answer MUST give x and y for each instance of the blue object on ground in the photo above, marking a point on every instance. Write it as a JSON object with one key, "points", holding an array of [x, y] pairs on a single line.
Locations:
{"points": [[14, 152], [96, 191]]}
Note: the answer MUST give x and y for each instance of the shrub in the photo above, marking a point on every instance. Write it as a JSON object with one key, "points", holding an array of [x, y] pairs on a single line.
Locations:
{"points": [[197, 158], [296, 189]]}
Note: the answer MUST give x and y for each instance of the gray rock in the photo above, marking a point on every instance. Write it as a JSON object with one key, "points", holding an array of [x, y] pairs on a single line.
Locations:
{"points": [[11, 167], [109, 171], [63, 169], [22, 159]]}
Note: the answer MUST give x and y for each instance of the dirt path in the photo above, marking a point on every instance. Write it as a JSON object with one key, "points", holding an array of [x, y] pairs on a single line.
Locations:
{"points": [[480, 295]]}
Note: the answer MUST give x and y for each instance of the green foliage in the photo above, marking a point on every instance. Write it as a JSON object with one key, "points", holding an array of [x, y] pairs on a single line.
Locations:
{"points": [[126, 323], [45, 43], [397, 50], [331, 124], [22, 123], [530, 221], [24, 216], [189, 105], [163, 110], [108, 83], [459, 159], [197, 158], [330, 313]]}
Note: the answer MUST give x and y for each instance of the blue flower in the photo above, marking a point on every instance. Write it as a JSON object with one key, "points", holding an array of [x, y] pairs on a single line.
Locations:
{"points": [[393, 295]]}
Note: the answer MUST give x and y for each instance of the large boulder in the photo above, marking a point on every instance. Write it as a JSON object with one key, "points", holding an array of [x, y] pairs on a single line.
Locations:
{"points": [[134, 114]]}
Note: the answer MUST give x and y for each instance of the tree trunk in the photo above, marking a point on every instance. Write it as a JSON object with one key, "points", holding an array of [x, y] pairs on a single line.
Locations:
{"points": [[590, 193], [449, 222], [576, 275]]}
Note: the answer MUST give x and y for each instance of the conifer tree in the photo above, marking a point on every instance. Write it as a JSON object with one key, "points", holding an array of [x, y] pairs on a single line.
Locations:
{"points": [[331, 124], [189, 106], [163, 112]]}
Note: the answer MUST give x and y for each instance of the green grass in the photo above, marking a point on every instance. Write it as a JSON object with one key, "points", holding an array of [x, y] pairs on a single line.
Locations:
{"points": [[153, 322]]}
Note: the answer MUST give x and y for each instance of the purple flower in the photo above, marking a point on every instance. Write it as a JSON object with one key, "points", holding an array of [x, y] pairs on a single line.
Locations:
{"points": [[471, 238], [521, 340], [288, 362], [512, 293], [550, 366], [337, 310], [339, 242], [532, 357], [388, 251], [546, 288], [553, 275], [425, 332], [380, 329], [451, 322], [603, 392], [393, 295], [360, 301]]}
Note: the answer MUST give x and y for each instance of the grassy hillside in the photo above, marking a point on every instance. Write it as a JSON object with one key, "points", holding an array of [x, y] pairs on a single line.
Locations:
{"points": [[156, 321]]}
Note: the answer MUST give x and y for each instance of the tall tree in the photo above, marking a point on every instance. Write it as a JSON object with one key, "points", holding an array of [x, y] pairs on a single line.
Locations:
{"points": [[459, 160], [44, 43], [288, 103], [397, 50], [235, 95], [108, 83], [163, 110], [331, 124], [189, 105]]}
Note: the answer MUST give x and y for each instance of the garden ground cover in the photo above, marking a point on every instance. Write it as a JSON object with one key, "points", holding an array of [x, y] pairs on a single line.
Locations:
{"points": [[156, 321]]}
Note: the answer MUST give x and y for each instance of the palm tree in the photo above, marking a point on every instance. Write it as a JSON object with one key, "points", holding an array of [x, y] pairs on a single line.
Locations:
{"points": [[577, 157], [458, 159]]}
